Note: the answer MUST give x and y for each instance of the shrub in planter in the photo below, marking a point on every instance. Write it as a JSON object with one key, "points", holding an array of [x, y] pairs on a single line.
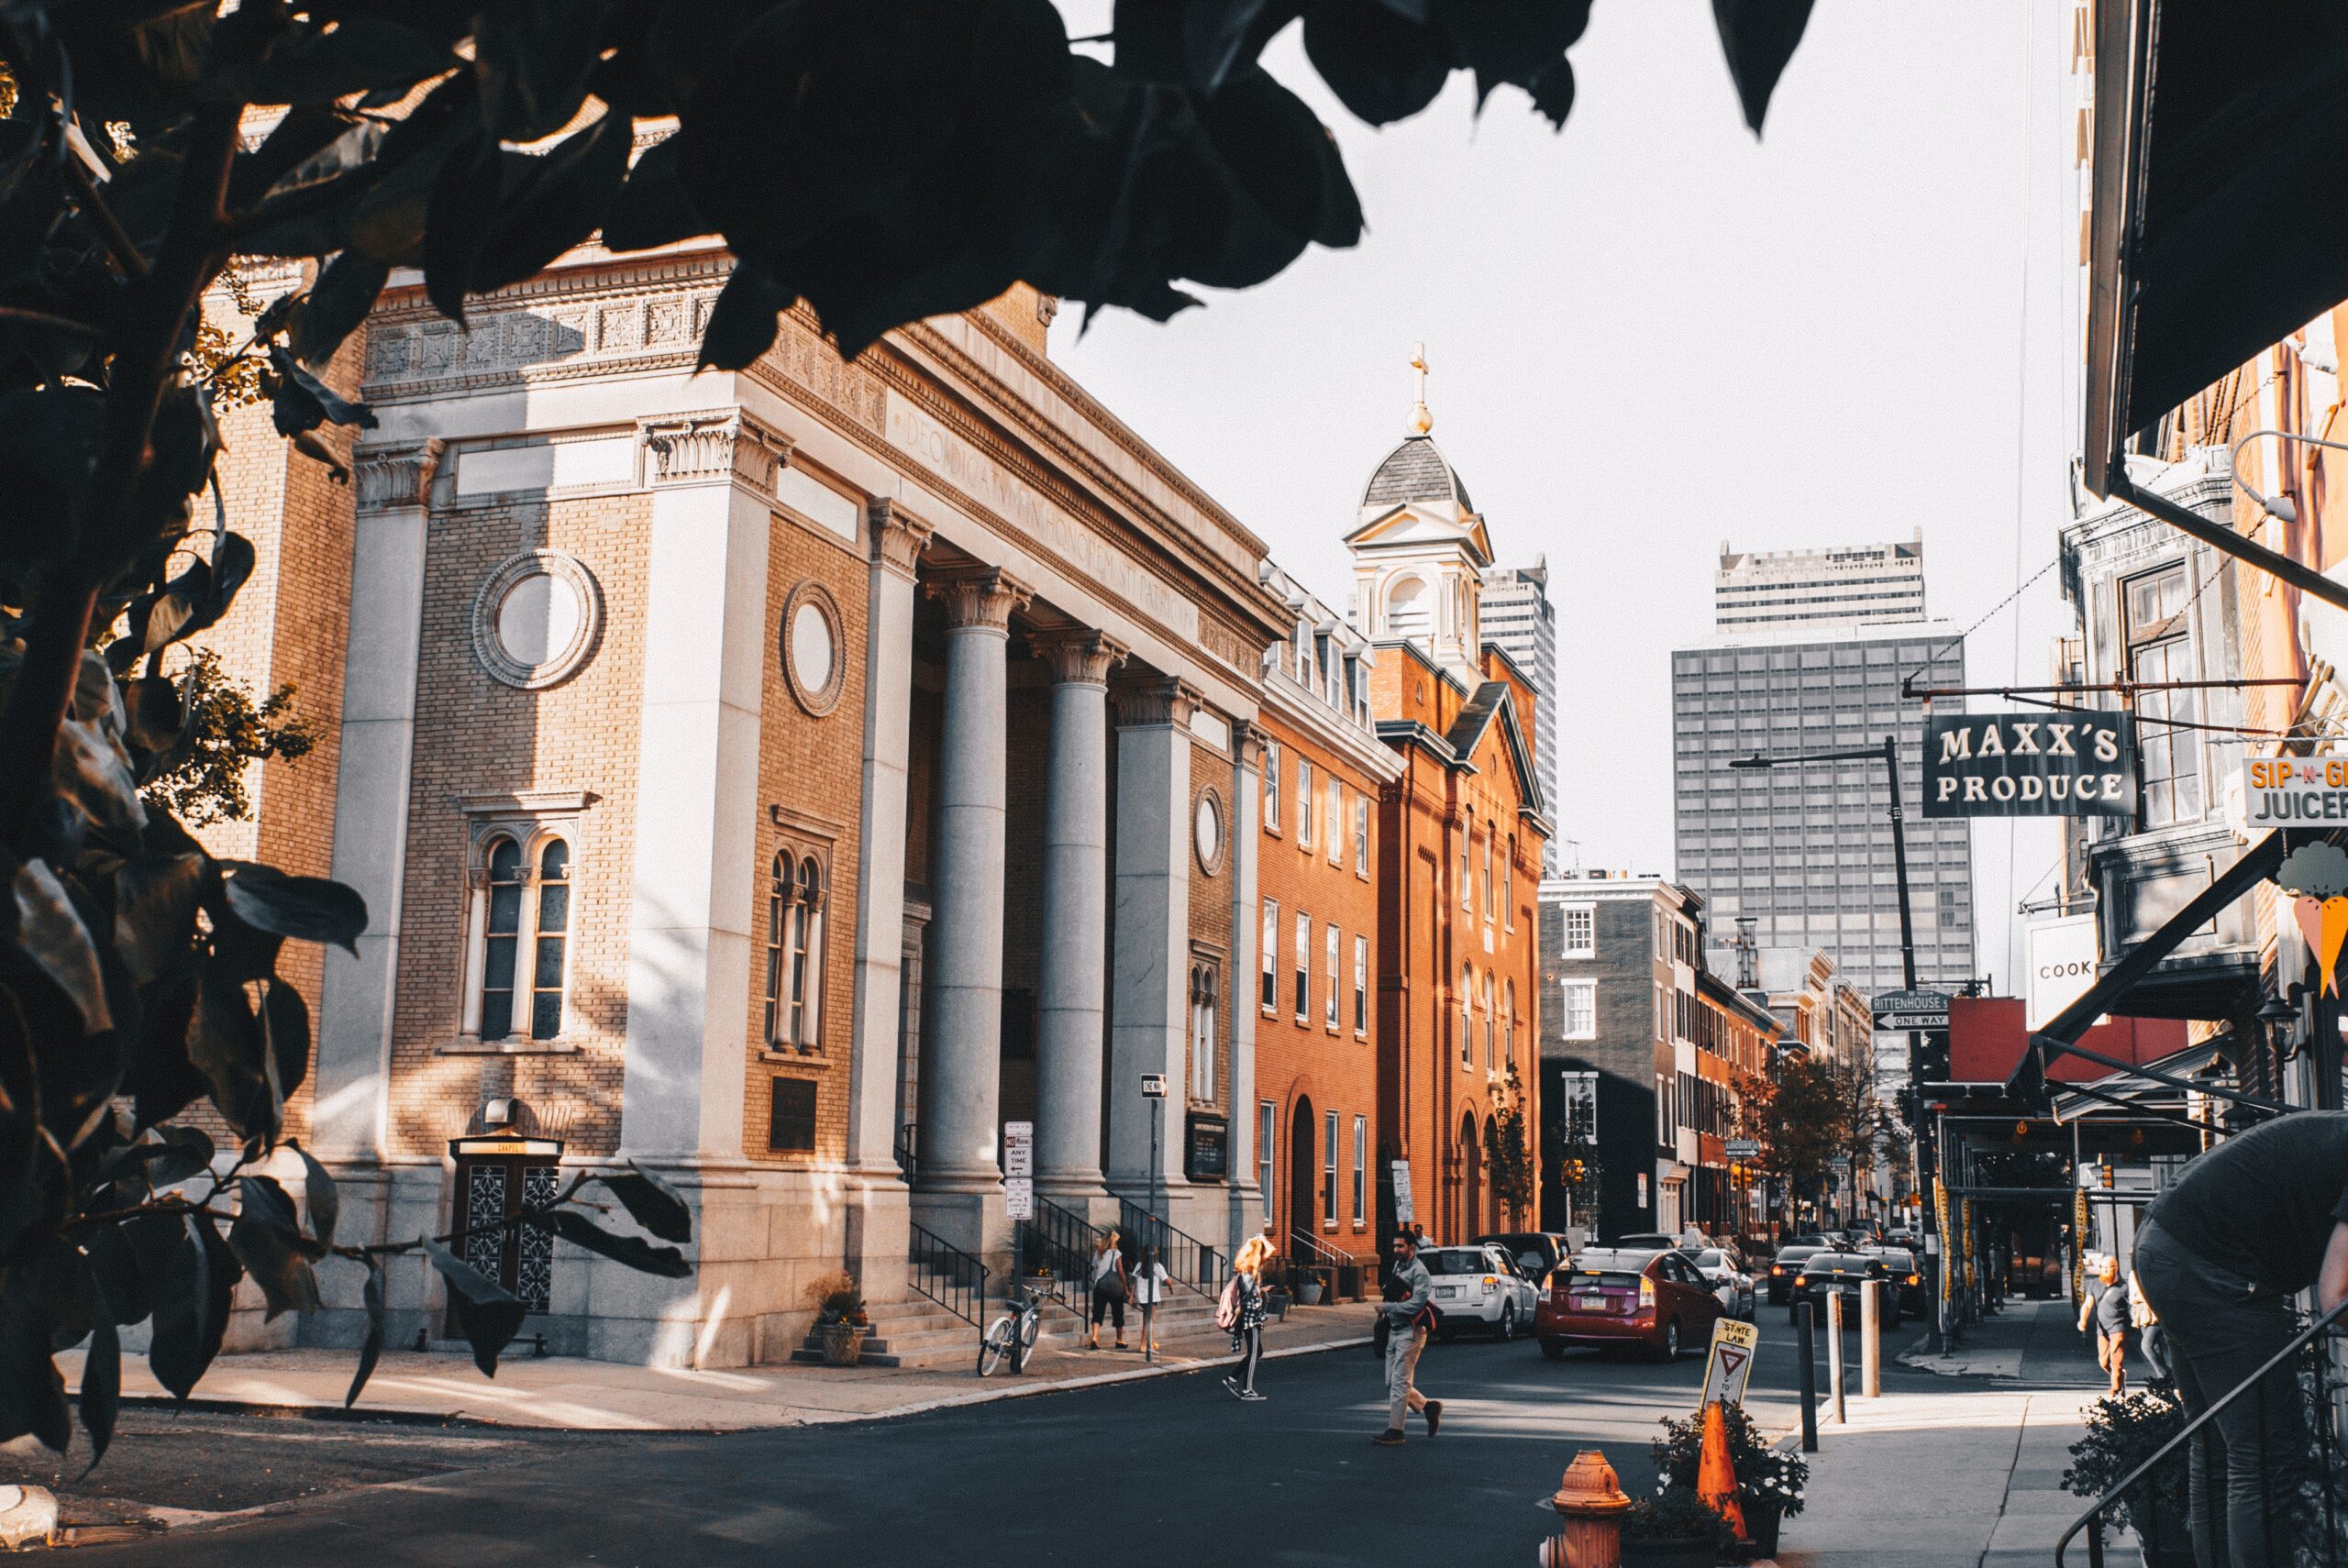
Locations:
{"points": [[840, 1318], [1677, 1529], [1769, 1480], [2121, 1434]]}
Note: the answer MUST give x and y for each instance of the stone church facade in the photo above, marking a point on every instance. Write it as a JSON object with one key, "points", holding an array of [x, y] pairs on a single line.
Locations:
{"points": [[779, 781]]}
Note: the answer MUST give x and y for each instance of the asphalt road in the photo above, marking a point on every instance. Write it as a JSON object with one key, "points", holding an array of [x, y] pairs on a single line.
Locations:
{"points": [[1168, 1471]]}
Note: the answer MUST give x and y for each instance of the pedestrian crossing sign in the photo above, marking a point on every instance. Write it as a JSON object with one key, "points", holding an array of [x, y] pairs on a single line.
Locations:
{"points": [[1726, 1373]]}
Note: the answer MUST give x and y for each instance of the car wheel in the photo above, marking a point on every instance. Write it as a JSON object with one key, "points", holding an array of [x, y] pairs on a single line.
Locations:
{"points": [[1553, 1349], [1508, 1322], [1671, 1340]]}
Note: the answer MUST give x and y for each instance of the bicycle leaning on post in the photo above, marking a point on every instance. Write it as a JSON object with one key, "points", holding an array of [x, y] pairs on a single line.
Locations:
{"points": [[1013, 1334]]}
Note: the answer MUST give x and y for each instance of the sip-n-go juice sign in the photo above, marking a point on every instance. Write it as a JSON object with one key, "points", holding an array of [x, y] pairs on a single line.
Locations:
{"points": [[2281, 790]]}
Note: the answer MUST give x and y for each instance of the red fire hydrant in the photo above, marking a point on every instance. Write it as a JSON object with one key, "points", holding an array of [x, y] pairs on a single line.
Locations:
{"points": [[1590, 1504]]}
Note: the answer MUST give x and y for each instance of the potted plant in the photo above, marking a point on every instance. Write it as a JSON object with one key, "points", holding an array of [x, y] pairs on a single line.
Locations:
{"points": [[1308, 1286], [2121, 1434], [1769, 1480], [1677, 1530], [840, 1320]]}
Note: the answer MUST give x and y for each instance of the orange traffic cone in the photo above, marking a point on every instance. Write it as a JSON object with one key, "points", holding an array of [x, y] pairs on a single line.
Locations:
{"points": [[1716, 1474]]}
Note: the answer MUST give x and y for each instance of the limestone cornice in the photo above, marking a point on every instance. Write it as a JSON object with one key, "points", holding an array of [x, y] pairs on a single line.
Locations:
{"points": [[394, 476], [1247, 741], [978, 598], [1146, 704], [897, 537], [718, 446], [1079, 656]]}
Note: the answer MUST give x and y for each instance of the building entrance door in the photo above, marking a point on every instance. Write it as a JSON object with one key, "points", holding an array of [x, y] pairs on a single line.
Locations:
{"points": [[498, 1176], [1301, 1169]]}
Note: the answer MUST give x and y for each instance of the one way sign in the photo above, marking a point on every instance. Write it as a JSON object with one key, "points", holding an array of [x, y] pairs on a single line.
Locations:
{"points": [[1731, 1365]]}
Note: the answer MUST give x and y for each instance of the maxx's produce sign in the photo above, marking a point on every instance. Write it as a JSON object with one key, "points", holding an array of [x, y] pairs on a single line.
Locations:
{"points": [[2076, 763]]}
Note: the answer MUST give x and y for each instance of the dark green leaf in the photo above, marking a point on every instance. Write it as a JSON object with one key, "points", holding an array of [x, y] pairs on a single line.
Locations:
{"points": [[307, 908], [22, 1144], [488, 1314], [318, 142], [1220, 36], [32, 1395], [1383, 66], [91, 772], [155, 714], [370, 1348], [653, 208], [226, 1045], [652, 1203], [1758, 37], [285, 1017], [317, 66], [160, 1076], [499, 216], [634, 1250], [1511, 41], [743, 322], [309, 444], [269, 1244], [533, 58], [336, 306], [319, 1194], [51, 933], [191, 1279], [114, 1269], [154, 912], [303, 402], [101, 1396]]}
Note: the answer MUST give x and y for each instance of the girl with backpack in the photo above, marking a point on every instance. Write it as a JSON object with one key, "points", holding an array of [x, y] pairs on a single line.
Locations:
{"points": [[1108, 1287], [1241, 1312]]}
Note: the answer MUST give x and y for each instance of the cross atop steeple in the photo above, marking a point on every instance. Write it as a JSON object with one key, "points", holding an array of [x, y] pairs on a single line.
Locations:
{"points": [[1421, 421]]}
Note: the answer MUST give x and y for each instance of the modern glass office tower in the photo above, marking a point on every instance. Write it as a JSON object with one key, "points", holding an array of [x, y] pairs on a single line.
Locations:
{"points": [[1807, 851], [1519, 620]]}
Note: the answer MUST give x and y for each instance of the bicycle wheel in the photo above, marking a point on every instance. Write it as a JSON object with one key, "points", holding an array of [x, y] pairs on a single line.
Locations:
{"points": [[995, 1346], [1031, 1329]]}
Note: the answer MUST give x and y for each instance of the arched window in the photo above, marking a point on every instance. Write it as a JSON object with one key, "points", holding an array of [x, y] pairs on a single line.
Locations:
{"points": [[1407, 608], [1492, 1040], [794, 950], [521, 990], [1468, 1017]]}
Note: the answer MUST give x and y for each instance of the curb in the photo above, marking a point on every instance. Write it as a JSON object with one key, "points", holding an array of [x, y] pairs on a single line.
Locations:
{"points": [[392, 1416]]}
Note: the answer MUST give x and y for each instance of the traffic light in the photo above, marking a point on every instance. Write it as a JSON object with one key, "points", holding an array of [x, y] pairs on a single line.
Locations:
{"points": [[1908, 1108], [1931, 1058]]}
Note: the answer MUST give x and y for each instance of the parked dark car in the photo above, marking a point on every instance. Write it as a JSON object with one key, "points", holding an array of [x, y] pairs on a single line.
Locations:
{"points": [[1535, 1251], [1645, 1239], [1784, 1265], [1832, 1273], [1654, 1300], [1907, 1279]]}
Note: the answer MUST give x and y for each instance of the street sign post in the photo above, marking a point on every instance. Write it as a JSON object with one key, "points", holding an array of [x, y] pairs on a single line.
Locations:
{"points": [[1744, 1149], [1019, 1170], [1911, 1010], [1731, 1365], [1153, 1086], [1403, 1212]]}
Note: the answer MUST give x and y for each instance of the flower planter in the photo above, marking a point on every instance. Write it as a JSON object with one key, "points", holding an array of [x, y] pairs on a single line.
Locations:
{"points": [[1763, 1520], [1307, 1293], [843, 1343], [1696, 1553]]}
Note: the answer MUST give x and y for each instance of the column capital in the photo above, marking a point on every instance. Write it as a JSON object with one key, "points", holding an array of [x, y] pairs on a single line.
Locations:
{"points": [[719, 445], [1247, 742], [1079, 654], [1168, 700], [897, 537], [978, 597], [396, 475]]}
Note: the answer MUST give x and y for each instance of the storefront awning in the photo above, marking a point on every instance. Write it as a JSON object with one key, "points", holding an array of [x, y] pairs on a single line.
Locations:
{"points": [[1987, 1041]]}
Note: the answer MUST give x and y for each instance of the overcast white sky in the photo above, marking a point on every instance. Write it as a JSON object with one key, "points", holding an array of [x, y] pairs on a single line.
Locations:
{"points": [[1651, 332]]}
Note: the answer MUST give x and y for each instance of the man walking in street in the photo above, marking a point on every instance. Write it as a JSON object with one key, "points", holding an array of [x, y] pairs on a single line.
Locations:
{"points": [[2106, 1308], [2247, 1227], [1408, 1292]]}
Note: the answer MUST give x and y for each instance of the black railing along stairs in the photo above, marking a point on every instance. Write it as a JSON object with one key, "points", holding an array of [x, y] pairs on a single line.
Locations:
{"points": [[1190, 1263], [1061, 1240], [948, 1276]]}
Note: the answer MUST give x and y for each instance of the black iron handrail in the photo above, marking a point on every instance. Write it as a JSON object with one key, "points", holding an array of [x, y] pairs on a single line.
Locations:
{"points": [[947, 1275], [1190, 1263], [1307, 1249], [2095, 1514], [904, 1150], [1061, 1240]]}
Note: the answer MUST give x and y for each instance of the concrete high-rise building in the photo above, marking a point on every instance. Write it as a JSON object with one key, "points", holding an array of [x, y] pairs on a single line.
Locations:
{"points": [[1756, 588], [1807, 851], [1520, 621]]}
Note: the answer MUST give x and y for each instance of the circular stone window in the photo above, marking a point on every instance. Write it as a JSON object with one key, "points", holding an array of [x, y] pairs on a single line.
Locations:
{"points": [[1206, 831], [813, 658], [537, 619]]}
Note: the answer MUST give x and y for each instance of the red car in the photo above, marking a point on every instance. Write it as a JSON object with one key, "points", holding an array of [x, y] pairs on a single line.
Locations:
{"points": [[1626, 1296]]}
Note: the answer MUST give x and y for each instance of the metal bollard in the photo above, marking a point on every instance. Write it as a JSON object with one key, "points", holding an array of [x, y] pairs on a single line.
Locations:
{"points": [[1871, 1339], [1834, 1353], [1803, 1319]]}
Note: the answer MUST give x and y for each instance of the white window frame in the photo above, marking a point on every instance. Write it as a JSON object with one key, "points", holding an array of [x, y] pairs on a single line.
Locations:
{"points": [[1331, 1008], [1361, 986], [1333, 805], [1303, 805], [1205, 1018], [1586, 916], [1588, 991], [1361, 1172], [1361, 836], [1468, 1017], [1303, 968], [1267, 1130], [795, 957], [1272, 788], [1491, 1027], [1269, 986], [1490, 835], [1329, 1170], [494, 818]]}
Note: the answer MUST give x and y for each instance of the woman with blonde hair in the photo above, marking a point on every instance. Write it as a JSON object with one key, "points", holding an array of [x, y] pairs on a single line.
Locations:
{"points": [[1244, 1301], [1108, 1287]]}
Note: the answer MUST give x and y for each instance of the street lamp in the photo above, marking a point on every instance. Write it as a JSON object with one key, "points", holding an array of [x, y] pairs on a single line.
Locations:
{"points": [[1888, 754]]}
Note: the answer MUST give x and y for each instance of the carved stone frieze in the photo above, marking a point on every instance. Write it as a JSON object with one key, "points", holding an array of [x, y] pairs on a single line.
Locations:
{"points": [[718, 446], [1079, 654], [897, 537], [396, 476], [1146, 703], [978, 598]]}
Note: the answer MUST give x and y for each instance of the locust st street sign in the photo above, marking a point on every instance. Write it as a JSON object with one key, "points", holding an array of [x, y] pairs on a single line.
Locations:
{"points": [[1912, 1009]]}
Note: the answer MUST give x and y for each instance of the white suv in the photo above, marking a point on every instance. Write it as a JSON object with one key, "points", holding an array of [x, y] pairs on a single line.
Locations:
{"points": [[1480, 1285], [1724, 1272]]}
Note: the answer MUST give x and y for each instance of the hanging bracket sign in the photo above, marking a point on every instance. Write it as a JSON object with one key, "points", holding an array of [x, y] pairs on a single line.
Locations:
{"points": [[2073, 762]]}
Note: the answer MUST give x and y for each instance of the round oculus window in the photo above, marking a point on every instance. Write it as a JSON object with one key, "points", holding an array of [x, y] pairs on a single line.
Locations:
{"points": [[1206, 831], [537, 619], [813, 660]]}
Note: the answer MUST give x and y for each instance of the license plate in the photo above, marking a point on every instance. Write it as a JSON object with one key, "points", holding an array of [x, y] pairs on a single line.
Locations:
{"points": [[1446, 1292], [1590, 1303]]}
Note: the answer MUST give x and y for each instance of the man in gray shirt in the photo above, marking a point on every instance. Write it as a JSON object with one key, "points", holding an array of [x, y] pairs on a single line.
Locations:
{"points": [[1409, 1319]]}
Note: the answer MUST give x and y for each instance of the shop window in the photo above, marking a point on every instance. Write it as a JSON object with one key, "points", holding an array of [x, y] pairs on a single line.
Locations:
{"points": [[2160, 648]]}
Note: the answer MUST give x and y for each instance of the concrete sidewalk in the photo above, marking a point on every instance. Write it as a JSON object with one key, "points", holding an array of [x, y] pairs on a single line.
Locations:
{"points": [[567, 1393]]}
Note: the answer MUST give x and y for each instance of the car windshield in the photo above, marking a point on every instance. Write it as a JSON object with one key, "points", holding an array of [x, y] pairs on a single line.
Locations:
{"points": [[1838, 1263], [1632, 1260], [1448, 1261], [1796, 1253], [1899, 1260], [1710, 1257]]}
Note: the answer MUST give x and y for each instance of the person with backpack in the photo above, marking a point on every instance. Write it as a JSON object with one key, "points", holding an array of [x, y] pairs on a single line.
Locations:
{"points": [[1408, 1318], [1108, 1287], [1149, 1284], [1240, 1313]]}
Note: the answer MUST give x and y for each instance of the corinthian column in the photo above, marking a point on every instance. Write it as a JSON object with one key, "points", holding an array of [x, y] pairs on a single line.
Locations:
{"points": [[1073, 984], [961, 1085]]}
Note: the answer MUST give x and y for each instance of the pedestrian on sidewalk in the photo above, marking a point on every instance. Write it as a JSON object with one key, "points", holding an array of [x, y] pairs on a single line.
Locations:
{"points": [[1108, 1287], [2147, 1324], [1243, 1304], [2107, 1305], [2247, 1227], [1409, 1314], [1150, 1289]]}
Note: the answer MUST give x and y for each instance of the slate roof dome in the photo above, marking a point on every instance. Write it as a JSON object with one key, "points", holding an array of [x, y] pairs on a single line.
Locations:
{"points": [[1417, 470]]}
